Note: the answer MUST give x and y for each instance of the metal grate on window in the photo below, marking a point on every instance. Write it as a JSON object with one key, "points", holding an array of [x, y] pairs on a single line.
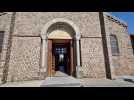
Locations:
{"points": [[61, 50]]}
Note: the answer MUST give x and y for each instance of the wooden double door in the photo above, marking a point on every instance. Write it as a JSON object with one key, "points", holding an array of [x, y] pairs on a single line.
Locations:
{"points": [[60, 57]]}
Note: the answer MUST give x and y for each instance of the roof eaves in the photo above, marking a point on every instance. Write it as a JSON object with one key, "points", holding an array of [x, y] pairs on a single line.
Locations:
{"points": [[118, 20]]}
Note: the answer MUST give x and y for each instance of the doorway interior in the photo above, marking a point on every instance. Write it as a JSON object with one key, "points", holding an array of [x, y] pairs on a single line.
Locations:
{"points": [[60, 57]]}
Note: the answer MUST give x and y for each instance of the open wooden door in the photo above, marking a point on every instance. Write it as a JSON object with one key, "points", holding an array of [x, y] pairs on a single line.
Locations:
{"points": [[71, 58], [53, 63], [49, 58], [53, 60]]}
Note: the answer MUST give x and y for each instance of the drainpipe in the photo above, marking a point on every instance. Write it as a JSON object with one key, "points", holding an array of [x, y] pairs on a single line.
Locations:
{"points": [[6, 66], [105, 48]]}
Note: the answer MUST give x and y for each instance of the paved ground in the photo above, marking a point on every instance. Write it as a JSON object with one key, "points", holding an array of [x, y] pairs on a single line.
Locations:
{"points": [[84, 82], [105, 83], [35, 83], [63, 80], [67, 81]]}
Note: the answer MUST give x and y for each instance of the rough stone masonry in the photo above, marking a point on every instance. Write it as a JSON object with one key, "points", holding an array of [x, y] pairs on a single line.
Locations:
{"points": [[21, 49]]}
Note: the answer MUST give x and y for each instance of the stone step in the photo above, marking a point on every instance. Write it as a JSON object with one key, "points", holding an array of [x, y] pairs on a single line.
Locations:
{"points": [[60, 74], [61, 82], [62, 85]]}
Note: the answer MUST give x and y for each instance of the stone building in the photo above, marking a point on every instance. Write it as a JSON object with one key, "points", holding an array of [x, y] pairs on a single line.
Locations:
{"points": [[35, 45]]}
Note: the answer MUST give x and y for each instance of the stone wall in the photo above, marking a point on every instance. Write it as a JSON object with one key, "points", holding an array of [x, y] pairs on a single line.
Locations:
{"points": [[25, 55], [26, 47], [31, 23], [92, 58], [123, 64]]}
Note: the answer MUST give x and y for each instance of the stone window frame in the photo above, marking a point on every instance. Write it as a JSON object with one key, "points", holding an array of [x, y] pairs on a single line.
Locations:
{"points": [[114, 48]]}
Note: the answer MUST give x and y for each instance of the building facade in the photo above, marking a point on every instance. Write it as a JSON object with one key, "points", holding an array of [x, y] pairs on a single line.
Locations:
{"points": [[35, 45]]}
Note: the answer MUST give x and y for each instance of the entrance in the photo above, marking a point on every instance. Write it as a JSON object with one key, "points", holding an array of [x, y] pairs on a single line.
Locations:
{"points": [[62, 36], [60, 57]]}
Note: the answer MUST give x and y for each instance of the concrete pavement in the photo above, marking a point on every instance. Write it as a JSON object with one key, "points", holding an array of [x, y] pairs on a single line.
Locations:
{"points": [[105, 83], [86, 82]]}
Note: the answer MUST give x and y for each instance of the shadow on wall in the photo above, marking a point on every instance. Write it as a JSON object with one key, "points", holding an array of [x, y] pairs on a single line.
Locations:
{"points": [[1, 41], [132, 42], [105, 48]]}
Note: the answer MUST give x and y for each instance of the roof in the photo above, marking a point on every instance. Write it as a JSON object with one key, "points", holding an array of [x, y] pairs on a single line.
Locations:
{"points": [[116, 19]]}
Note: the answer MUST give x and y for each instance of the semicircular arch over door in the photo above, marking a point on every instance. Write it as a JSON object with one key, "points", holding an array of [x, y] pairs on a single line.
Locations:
{"points": [[64, 32]]}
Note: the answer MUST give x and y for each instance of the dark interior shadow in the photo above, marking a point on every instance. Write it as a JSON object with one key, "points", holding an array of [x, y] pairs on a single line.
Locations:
{"points": [[1, 42]]}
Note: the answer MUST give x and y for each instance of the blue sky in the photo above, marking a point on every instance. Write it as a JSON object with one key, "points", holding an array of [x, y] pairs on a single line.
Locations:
{"points": [[127, 17]]}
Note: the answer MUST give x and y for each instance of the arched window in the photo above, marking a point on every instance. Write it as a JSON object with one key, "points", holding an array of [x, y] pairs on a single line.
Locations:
{"points": [[114, 45]]}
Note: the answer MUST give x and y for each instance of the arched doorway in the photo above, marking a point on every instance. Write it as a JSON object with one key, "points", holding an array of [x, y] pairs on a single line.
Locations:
{"points": [[60, 47]]}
